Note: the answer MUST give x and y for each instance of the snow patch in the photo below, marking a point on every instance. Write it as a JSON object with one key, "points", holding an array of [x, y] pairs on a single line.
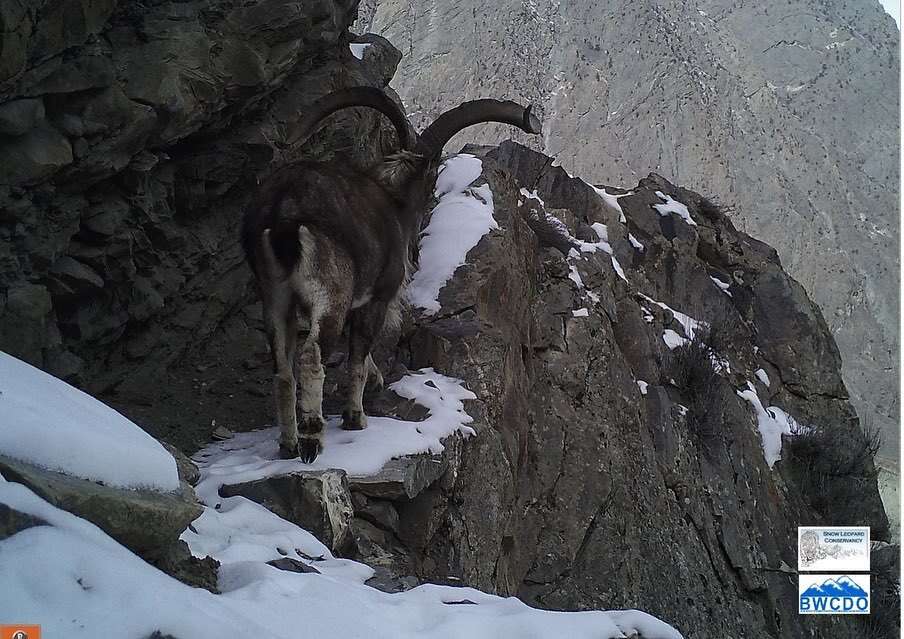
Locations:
{"points": [[673, 206], [581, 312], [462, 217], [358, 49], [643, 386], [574, 276], [762, 376], [636, 243], [611, 201], [723, 286], [772, 422], [47, 422], [532, 195], [688, 323], [603, 245], [673, 340]]}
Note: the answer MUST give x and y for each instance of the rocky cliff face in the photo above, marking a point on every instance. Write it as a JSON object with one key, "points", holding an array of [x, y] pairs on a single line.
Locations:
{"points": [[618, 459], [787, 112], [601, 474]]}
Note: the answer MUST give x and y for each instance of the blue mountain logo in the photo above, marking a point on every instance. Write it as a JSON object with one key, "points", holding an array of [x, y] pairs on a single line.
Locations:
{"points": [[842, 587]]}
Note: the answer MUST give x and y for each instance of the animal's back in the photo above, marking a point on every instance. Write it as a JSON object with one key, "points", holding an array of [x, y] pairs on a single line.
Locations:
{"points": [[342, 207]]}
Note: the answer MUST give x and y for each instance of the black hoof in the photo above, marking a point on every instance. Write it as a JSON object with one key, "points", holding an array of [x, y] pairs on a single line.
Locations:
{"points": [[287, 453], [353, 420], [308, 449]]}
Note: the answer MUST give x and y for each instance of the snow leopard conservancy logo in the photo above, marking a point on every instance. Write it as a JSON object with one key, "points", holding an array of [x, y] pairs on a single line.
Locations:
{"points": [[833, 595], [833, 548], [842, 551]]}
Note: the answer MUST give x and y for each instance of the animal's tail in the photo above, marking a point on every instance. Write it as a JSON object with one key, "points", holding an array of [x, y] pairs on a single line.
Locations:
{"points": [[282, 247]]}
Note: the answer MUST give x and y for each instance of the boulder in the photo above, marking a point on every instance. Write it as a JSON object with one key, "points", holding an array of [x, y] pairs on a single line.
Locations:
{"points": [[18, 117], [142, 520], [318, 501], [37, 154], [177, 561], [293, 565]]}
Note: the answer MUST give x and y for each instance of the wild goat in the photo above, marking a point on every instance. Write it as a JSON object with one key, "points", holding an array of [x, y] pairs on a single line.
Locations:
{"points": [[330, 242]]}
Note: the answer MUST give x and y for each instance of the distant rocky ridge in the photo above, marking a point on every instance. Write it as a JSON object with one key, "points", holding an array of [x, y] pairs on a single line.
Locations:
{"points": [[787, 112]]}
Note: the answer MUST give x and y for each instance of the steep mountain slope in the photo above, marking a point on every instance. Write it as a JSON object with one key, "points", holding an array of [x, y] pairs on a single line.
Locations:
{"points": [[785, 111]]}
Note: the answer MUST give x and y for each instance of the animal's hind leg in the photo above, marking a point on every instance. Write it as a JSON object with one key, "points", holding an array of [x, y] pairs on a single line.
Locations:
{"points": [[281, 322], [310, 365], [365, 323]]}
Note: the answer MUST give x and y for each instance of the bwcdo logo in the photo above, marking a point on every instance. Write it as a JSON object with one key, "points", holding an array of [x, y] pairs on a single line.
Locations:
{"points": [[833, 595]]}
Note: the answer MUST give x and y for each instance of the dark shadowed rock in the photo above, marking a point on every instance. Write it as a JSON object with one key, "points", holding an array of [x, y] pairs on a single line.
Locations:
{"points": [[20, 116], [177, 561], [12, 521], [33, 156], [293, 565]]}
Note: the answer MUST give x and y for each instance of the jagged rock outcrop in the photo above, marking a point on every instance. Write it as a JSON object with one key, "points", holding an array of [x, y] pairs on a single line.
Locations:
{"points": [[787, 112], [585, 487]]}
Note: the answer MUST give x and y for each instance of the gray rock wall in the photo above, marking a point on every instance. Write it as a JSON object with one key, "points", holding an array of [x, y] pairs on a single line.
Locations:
{"points": [[786, 111]]}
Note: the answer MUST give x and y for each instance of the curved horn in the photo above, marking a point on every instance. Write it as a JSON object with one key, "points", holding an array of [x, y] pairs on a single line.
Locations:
{"points": [[435, 136], [353, 97]]}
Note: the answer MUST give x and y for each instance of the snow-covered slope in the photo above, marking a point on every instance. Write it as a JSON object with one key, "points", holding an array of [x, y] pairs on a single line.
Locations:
{"points": [[51, 424]]}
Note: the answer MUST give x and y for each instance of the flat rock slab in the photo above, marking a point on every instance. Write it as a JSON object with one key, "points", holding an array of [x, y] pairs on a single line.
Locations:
{"points": [[407, 477], [141, 520], [404, 477]]}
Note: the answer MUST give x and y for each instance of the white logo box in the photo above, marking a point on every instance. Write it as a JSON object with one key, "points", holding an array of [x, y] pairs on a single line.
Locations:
{"points": [[833, 594], [834, 549]]}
